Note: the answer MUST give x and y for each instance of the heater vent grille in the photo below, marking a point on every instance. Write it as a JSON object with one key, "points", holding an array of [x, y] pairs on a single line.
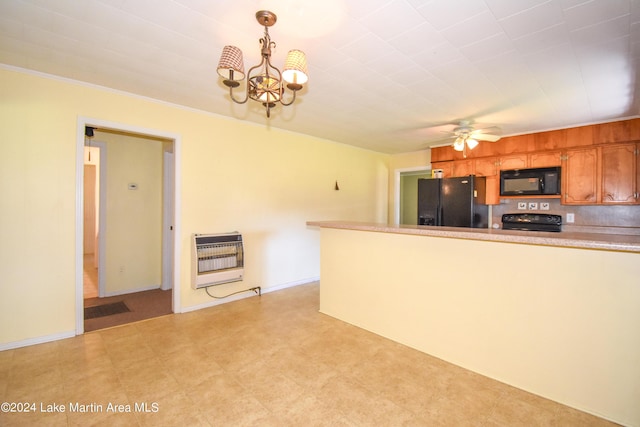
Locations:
{"points": [[217, 259]]}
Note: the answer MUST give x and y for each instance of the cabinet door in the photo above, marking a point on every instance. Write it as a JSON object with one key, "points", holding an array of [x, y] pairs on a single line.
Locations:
{"points": [[516, 161], [545, 159], [447, 168], [580, 177], [619, 174], [487, 166], [463, 168], [492, 195]]}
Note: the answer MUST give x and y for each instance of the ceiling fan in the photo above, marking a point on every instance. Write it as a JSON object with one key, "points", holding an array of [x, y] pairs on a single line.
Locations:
{"points": [[466, 136]]}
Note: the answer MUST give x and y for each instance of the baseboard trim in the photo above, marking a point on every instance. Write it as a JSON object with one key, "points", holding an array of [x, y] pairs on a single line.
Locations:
{"points": [[37, 340], [132, 291]]}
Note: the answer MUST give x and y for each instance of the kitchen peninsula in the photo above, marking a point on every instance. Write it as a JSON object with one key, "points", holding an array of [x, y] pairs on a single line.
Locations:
{"points": [[556, 314]]}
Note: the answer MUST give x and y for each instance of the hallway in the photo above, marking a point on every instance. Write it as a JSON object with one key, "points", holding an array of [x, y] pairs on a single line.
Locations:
{"points": [[142, 305]]}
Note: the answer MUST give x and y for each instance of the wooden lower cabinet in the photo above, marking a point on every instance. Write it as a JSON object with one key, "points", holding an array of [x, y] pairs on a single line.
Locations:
{"points": [[620, 174], [580, 177]]}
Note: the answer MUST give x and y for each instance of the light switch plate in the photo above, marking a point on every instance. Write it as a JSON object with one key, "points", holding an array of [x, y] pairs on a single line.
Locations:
{"points": [[522, 205], [533, 206]]}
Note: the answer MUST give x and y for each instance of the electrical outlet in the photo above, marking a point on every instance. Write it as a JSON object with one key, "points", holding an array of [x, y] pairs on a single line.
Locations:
{"points": [[544, 206], [522, 205], [533, 206], [571, 218]]}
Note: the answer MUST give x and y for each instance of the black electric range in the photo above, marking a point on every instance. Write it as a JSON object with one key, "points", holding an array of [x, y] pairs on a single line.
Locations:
{"points": [[531, 222]]}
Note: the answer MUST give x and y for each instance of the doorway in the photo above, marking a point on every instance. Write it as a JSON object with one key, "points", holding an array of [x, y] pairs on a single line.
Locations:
{"points": [[406, 191], [90, 234], [135, 254]]}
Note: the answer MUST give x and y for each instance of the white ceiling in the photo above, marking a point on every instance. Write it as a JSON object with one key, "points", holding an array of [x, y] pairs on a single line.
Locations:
{"points": [[388, 75]]}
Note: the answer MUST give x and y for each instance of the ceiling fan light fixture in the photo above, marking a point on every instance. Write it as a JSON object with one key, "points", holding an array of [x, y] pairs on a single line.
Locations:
{"points": [[466, 137]]}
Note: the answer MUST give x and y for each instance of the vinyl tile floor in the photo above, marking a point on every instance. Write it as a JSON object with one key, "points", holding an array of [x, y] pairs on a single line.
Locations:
{"points": [[270, 360]]}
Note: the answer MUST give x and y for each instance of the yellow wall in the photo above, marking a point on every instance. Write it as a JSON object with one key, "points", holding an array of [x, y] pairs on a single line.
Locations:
{"points": [[558, 322], [262, 182], [133, 242]]}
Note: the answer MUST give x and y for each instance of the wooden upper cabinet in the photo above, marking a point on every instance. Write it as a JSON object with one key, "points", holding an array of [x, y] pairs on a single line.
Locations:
{"points": [[620, 174], [622, 131], [447, 168], [492, 190], [580, 177], [581, 136], [516, 161], [463, 168], [487, 166], [514, 144], [545, 159], [551, 140]]}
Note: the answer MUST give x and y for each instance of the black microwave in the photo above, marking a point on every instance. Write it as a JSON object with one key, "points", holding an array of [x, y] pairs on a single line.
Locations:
{"points": [[530, 182]]}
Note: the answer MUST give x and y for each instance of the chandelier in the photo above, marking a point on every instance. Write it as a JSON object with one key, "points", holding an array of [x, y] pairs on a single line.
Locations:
{"points": [[265, 83]]}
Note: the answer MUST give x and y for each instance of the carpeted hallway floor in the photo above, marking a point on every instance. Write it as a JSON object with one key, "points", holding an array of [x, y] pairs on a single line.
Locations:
{"points": [[142, 305]]}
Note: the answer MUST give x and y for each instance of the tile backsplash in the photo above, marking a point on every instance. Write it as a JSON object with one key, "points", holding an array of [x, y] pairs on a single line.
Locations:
{"points": [[618, 219]]}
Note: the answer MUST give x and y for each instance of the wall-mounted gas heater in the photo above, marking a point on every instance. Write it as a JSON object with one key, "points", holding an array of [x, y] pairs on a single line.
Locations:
{"points": [[217, 259]]}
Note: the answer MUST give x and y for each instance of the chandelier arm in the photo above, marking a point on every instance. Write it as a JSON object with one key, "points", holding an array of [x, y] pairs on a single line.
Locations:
{"points": [[286, 104], [246, 96]]}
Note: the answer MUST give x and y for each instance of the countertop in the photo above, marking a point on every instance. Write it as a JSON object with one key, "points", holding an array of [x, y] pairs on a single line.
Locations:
{"points": [[597, 241]]}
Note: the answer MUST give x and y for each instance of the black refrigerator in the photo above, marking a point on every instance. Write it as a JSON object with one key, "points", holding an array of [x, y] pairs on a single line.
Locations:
{"points": [[453, 202]]}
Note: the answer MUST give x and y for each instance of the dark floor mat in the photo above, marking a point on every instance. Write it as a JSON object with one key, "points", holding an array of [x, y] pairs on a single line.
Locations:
{"points": [[105, 310]]}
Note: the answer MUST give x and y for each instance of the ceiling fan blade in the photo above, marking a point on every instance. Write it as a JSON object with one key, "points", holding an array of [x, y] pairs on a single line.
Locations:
{"points": [[485, 137]]}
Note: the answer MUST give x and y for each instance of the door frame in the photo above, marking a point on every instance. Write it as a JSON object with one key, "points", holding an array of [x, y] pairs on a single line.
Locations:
{"points": [[396, 188], [170, 255], [102, 213], [168, 202]]}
